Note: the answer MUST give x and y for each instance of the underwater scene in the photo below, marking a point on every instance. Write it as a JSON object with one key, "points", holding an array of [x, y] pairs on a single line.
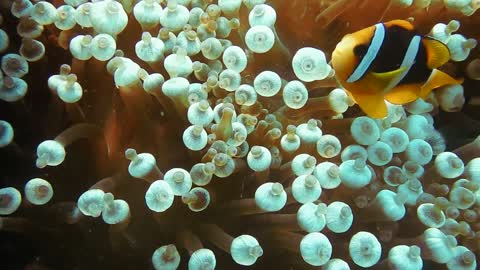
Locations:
{"points": [[239, 134]]}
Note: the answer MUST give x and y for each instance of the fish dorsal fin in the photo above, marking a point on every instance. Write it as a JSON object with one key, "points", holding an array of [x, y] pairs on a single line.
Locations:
{"points": [[402, 23], [380, 82], [437, 52], [372, 104], [437, 79], [403, 94]]}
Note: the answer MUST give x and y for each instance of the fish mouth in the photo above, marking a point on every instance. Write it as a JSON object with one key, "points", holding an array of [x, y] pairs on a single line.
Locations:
{"points": [[343, 58], [345, 45]]}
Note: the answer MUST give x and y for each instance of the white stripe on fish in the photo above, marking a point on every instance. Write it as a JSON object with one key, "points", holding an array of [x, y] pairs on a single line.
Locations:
{"points": [[408, 61], [371, 54]]}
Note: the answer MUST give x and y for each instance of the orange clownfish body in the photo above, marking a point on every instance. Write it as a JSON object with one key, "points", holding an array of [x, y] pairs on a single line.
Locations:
{"points": [[389, 61]]}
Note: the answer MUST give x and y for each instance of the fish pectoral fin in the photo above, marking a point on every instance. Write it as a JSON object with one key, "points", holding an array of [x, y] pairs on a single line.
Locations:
{"points": [[437, 52], [373, 105], [403, 94], [437, 79], [379, 82]]}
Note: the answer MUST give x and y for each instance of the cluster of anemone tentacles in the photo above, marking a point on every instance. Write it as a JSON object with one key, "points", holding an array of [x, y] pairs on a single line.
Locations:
{"points": [[210, 139]]}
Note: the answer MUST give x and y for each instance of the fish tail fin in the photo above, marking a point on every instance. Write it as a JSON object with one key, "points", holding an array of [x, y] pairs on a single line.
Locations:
{"points": [[437, 52]]}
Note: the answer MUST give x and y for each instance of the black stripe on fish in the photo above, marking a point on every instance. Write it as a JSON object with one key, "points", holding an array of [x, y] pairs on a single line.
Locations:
{"points": [[393, 49], [392, 53], [419, 72]]}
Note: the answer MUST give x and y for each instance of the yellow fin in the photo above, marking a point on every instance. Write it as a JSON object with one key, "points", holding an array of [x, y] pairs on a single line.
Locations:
{"points": [[437, 52], [437, 79], [402, 23], [403, 94], [379, 82], [373, 105]]}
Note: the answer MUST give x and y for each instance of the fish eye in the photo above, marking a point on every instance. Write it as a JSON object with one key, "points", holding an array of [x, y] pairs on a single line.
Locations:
{"points": [[360, 50]]}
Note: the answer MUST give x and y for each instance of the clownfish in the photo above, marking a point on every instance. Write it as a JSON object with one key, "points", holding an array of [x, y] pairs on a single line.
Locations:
{"points": [[389, 61]]}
